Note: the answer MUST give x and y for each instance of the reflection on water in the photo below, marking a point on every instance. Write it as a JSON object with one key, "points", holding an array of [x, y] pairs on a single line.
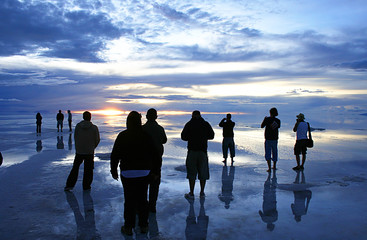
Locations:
{"points": [[227, 185], [302, 198], [86, 226], [39, 146], [153, 226], [196, 227], [60, 142], [70, 142], [269, 214]]}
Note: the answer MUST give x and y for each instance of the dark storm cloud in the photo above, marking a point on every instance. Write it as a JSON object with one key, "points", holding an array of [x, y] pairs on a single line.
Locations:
{"points": [[77, 34]]}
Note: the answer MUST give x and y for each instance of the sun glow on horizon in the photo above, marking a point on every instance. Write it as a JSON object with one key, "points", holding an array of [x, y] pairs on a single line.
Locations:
{"points": [[106, 112]]}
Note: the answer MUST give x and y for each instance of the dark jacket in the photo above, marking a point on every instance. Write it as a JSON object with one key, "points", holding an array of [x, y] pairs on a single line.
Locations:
{"points": [[157, 133], [227, 126], [197, 132], [134, 150], [271, 124], [60, 117]]}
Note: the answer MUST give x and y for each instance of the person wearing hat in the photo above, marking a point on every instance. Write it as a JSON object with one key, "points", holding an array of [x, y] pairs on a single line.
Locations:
{"points": [[301, 128]]}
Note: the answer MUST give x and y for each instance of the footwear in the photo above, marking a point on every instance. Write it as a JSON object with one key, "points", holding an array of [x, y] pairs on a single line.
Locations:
{"points": [[189, 196], [301, 168], [144, 229], [127, 230], [68, 189], [296, 168], [202, 195]]}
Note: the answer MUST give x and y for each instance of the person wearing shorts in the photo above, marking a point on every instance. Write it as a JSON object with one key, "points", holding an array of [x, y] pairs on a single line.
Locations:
{"points": [[301, 128], [197, 132]]}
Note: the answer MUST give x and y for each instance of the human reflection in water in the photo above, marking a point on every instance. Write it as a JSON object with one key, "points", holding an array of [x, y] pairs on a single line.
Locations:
{"points": [[70, 142], [39, 146], [269, 214], [86, 226], [153, 226], [227, 185], [60, 142], [196, 228], [301, 198]]}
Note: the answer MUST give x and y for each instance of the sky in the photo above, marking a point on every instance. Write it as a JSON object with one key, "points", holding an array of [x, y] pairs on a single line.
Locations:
{"points": [[224, 56]]}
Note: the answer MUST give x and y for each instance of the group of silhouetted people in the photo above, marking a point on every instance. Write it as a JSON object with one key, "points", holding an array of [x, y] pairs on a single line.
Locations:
{"points": [[138, 151], [59, 120]]}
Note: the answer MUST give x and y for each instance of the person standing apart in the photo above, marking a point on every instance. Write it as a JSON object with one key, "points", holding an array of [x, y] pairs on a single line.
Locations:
{"points": [[70, 119], [86, 138], [301, 128], [60, 120], [136, 154], [38, 122], [159, 137], [272, 125], [197, 132], [228, 142]]}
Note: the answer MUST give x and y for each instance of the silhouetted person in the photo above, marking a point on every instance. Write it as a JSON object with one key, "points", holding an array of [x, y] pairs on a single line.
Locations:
{"points": [[60, 142], [86, 138], [227, 185], [196, 228], [301, 199], [70, 142], [301, 128], [269, 214], [86, 226], [70, 119], [197, 132], [38, 122], [1, 159], [159, 137], [39, 146], [228, 142], [153, 226], [136, 154], [60, 120], [272, 125]]}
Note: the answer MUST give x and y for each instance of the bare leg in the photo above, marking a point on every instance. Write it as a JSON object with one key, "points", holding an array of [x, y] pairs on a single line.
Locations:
{"points": [[192, 186], [269, 165], [275, 165], [303, 160], [202, 186]]}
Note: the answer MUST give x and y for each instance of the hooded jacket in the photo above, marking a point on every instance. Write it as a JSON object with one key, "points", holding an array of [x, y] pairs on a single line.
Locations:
{"points": [[134, 149], [86, 137]]}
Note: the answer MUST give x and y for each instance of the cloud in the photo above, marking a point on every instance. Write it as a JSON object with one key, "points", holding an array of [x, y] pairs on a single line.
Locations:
{"points": [[47, 29]]}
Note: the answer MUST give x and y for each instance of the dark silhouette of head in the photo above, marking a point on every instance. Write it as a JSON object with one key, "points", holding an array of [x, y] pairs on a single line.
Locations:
{"points": [[196, 114], [273, 112], [229, 116], [152, 114], [59, 111], [270, 226], [133, 121], [68, 111], [87, 116]]}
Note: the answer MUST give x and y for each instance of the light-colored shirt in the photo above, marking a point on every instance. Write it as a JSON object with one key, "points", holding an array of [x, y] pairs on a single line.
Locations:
{"points": [[302, 130]]}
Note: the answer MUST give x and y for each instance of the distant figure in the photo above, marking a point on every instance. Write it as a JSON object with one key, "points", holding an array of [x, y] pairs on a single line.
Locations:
{"points": [[228, 143], [39, 146], [85, 225], [227, 185], [301, 199], [196, 227], [70, 119], [301, 128], [60, 120], [197, 132], [1, 159], [159, 137], [272, 125], [135, 152], [86, 138], [38, 122], [269, 214], [60, 142]]}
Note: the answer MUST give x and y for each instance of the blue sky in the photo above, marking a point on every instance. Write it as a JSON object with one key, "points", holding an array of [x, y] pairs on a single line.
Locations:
{"points": [[225, 56]]}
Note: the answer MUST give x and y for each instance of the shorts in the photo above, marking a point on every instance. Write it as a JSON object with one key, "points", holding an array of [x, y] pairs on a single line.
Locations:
{"points": [[197, 165], [300, 147]]}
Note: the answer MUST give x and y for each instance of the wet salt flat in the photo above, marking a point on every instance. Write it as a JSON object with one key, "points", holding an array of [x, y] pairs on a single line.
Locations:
{"points": [[326, 201]]}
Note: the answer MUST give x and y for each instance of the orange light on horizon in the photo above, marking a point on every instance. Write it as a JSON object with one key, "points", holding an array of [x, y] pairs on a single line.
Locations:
{"points": [[106, 112], [116, 112]]}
